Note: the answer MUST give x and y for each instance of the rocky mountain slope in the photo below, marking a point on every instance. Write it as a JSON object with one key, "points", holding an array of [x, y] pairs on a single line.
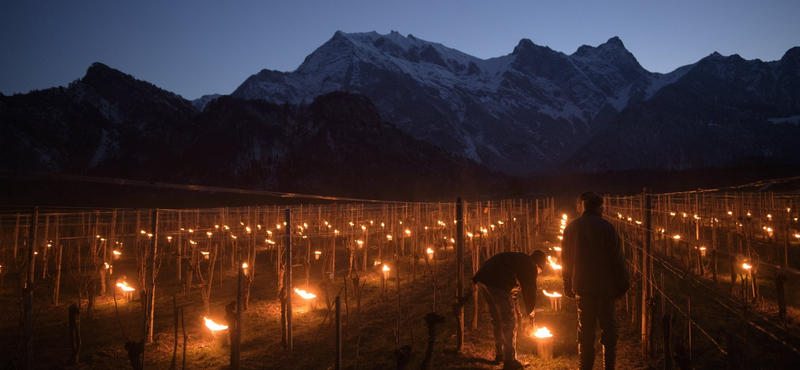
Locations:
{"points": [[112, 125], [539, 110]]}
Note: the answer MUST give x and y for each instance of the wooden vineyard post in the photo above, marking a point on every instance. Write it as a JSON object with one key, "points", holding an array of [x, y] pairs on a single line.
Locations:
{"points": [[459, 273], [236, 346], [338, 365], [786, 238], [715, 225], [475, 261], [179, 259], [28, 291], [666, 327], [57, 282], [153, 273], [288, 284], [74, 333], [780, 282], [646, 253], [47, 247], [16, 237]]}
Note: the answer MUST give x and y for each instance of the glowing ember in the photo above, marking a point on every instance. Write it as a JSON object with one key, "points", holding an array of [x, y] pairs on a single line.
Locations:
{"points": [[244, 265], [125, 287], [117, 253], [430, 251], [554, 294], [304, 294], [385, 268], [676, 237], [214, 326], [542, 333]]}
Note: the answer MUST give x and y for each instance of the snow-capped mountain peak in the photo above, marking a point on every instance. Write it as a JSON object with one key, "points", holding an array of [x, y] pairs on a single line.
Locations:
{"points": [[521, 112]]}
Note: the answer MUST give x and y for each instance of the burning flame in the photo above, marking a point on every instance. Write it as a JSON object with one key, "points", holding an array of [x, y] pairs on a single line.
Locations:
{"points": [[304, 294], [542, 333], [116, 253], [213, 326], [746, 266], [429, 251], [553, 263], [554, 294], [385, 268], [125, 287]]}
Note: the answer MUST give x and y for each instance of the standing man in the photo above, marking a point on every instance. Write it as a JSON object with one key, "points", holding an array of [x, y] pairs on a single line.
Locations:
{"points": [[594, 270], [496, 278]]}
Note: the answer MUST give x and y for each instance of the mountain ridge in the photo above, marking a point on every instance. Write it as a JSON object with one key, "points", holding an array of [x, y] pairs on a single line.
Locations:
{"points": [[534, 110]]}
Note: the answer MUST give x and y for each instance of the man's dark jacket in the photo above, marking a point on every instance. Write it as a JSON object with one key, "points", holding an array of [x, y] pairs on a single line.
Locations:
{"points": [[593, 261], [506, 270]]}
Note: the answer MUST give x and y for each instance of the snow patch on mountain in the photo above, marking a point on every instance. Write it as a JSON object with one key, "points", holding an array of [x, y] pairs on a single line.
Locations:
{"points": [[103, 148], [794, 120], [660, 80]]}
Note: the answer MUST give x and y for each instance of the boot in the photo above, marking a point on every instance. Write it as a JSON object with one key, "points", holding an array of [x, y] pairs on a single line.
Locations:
{"points": [[513, 365], [609, 357], [499, 357], [586, 354]]}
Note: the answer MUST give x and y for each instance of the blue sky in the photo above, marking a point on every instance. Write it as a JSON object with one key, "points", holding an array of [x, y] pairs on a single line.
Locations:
{"points": [[202, 47]]}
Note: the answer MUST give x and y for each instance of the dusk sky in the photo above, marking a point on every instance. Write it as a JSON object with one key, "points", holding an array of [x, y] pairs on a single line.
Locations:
{"points": [[200, 47]]}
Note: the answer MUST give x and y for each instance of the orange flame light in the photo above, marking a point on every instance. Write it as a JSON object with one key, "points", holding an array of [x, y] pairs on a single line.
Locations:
{"points": [[304, 294], [553, 263], [552, 295], [555, 300], [125, 287], [542, 333], [544, 343], [214, 326]]}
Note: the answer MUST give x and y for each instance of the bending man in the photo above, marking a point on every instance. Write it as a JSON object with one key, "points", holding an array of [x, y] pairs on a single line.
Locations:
{"points": [[496, 278]]}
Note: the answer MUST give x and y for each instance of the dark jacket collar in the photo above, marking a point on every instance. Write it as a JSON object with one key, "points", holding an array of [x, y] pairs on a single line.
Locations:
{"points": [[592, 211]]}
